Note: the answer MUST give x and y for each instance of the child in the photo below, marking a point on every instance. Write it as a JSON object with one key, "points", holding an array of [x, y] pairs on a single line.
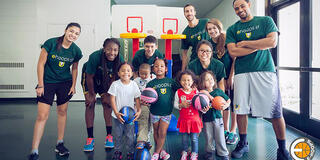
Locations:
{"points": [[123, 92], [213, 122], [189, 122], [144, 126], [162, 109]]}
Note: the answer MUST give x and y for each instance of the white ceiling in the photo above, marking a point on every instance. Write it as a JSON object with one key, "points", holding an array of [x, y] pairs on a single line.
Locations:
{"points": [[203, 7]]}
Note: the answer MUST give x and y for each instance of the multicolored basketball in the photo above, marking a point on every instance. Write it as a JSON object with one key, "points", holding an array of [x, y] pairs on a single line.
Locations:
{"points": [[200, 101], [128, 114], [149, 95], [218, 102], [142, 154]]}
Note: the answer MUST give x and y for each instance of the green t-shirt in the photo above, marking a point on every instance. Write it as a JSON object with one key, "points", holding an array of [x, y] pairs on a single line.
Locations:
{"points": [[193, 36], [215, 66], [166, 88], [212, 114], [255, 29], [57, 67], [140, 58], [225, 59]]}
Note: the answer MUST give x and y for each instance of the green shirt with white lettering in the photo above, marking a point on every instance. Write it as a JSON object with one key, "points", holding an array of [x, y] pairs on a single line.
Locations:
{"points": [[166, 88], [212, 113], [257, 28], [140, 58], [193, 36], [215, 66], [57, 67], [225, 59]]}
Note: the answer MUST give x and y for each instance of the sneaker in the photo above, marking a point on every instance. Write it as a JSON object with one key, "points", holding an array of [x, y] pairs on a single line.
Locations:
{"points": [[109, 142], [130, 156], [194, 156], [232, 138], [148, 145], [61, 149], [184, 155], [209, 156], [240, 150], [226, 134], [117, 155], [89, 146], [155, 156], [164, 155], [140, 145], [33, 156], [283, 155], [224, 157]]}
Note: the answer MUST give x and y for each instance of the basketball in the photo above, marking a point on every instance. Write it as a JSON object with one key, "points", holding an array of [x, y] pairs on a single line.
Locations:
{"points": [[128, 114], [200, 101], [142, 154], [149, 95], [218, 102]]}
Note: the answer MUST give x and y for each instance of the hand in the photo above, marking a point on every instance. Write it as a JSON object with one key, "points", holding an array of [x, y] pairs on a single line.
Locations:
{"points": [[206, 93], [184, 104], [205, 110], [145, 103], [119, 117], [72, 91], [242, 44], [90, 100], [230, 83], [225, 105], [40, 92], [137, 115]]}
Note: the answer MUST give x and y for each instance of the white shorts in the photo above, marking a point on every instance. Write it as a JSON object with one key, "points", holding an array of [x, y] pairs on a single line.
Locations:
{"points": [[257, 93]]}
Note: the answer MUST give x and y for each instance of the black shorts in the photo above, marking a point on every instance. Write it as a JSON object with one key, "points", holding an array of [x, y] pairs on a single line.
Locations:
{"points": [[230, 95], [97, 85], [61, 90]]}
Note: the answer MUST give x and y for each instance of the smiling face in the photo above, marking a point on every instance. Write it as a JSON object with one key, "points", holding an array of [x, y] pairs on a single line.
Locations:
{"points": [[204, 53], [208, 82], [186, 82], [144, 73], [190, 13], [111, 50], [160, 68], [125, 72], [242, 9], [72, 33], [213, 31], [150, 48]]}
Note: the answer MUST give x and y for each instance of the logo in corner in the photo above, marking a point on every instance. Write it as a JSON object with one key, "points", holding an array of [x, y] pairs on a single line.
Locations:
{"points": [[302, 149]]}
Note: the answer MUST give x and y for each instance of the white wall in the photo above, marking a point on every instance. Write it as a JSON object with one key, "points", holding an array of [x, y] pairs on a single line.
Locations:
{"points": [[225, 12], [25, 25]]}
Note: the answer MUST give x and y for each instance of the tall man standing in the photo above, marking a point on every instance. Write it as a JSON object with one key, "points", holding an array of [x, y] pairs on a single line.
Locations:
{"points": [[249, 40], [195, 32]]}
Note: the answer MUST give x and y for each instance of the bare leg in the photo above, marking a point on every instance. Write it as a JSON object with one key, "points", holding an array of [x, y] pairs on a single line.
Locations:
{"points": [[242, 123], [162, 134], [226, 117], [62, 119], [155, 133], [279, 128], [89, 114], [107, 110], [233, 122]]}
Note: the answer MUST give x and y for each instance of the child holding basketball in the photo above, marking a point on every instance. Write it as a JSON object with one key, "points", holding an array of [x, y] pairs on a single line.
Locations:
{"points": [[189, 122], [143, 138], [162, 109], [212, 119], [124, 92]]}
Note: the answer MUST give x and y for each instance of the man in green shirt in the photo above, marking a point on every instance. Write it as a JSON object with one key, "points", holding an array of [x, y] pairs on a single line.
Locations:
{"points": [[195, 32], [256, 88]]}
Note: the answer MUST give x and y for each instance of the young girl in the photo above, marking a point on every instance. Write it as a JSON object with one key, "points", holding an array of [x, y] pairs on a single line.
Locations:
{"points": [[55, 78], [124, 92], [162, 109], [189, 122], [213, 122]]}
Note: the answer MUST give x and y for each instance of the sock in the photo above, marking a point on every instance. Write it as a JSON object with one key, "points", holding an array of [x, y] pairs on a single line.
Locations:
{"points": [[60, 141], [36, 151], [109, 129], [243, 138], [282, 144], [90, 132]]}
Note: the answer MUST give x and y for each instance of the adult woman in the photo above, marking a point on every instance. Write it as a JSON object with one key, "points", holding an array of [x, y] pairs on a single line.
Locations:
{"points": [[54, 78], [215, 29]]}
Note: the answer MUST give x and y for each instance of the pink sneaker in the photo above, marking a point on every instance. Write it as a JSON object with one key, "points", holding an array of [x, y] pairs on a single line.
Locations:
{"points": [[155, 156], [184, 155], [164, 155], [194, 156]]}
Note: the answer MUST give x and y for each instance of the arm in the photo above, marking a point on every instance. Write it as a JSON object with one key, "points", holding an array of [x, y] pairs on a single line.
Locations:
{"points": [[221, 84], [184, 59], [74, 78], [236, 51], [261, 44], [40, 71], [114, 108], [137, 100], [176, 101]]}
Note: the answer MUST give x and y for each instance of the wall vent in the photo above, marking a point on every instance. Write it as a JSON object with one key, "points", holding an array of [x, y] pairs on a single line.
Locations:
{"points": [[12, 87], [12, 65]]}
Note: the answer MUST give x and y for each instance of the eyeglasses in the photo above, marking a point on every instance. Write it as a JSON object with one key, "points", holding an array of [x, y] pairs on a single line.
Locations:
{"points": [[205, 51]]}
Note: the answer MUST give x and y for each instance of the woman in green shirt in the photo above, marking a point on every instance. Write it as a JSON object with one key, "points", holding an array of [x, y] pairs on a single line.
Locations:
{"points": [[55, 78]]}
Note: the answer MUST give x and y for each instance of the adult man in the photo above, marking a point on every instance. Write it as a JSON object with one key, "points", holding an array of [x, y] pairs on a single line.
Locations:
{"points": [[255, 83], [195, 32]]}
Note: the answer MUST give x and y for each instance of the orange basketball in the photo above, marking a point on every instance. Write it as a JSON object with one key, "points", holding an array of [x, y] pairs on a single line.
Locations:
{"points": [[305, 150], [218, 102]]}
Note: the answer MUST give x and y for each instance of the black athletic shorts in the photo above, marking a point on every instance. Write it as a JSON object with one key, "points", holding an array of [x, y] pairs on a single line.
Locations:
{"points": [[61, 90], [97, 85]]}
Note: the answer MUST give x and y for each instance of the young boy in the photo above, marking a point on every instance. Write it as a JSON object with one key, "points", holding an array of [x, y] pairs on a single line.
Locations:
{"points": [[143, 139]]}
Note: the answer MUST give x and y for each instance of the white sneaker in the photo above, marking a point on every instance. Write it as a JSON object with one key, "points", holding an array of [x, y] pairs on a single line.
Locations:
{"points": [[164, 155], [184, 155], [194, 156], [155, 156]]}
